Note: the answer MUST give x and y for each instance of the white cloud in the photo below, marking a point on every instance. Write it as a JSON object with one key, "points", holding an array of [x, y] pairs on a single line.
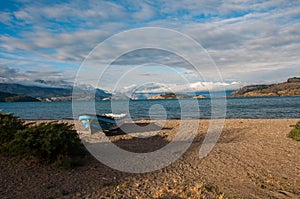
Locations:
{"points": [[8, 74], [6, 17], [145, 12], [247, 39]]}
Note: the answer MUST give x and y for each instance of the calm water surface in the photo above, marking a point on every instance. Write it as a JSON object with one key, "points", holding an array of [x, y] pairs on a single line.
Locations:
{"points": [[262, 107]]}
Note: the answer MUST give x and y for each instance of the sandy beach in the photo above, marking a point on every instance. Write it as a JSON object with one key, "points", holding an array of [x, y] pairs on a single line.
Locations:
{"points": [[253, 158]]}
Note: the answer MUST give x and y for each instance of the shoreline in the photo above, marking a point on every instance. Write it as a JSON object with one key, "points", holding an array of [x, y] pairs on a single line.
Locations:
{"points": [[204, 119]]}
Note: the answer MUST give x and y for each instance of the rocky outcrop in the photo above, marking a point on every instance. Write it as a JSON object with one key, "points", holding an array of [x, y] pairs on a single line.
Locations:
{"points": [[289, 88], [293, 80], [175, 96], [199, 97]]}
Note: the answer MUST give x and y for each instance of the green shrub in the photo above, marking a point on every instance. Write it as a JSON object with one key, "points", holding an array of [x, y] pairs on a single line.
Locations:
{"points": [[48, 142], [295, 133], [52, 142], [9, 125]]}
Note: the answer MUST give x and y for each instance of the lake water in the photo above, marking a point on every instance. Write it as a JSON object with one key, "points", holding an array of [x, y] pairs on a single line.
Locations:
{"points": [[260, 107]]}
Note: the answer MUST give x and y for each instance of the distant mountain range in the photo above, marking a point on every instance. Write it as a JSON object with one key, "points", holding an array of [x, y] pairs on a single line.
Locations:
{"points": [[9, 97], [54, 93], [289, 88], [45, 91]]}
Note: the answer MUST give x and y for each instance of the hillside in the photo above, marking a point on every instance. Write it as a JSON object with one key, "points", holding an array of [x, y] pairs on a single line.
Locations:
{"points": [[9, 97], [289, 88], [51, 93]]}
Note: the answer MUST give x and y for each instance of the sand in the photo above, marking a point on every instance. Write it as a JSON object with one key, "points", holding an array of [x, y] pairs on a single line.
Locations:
{"points": [[253, 158]]}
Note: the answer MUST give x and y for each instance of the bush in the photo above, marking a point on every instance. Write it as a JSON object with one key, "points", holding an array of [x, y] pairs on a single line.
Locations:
{"points": [[48, 142], [52, 142], [9, 125], [295, 133]]}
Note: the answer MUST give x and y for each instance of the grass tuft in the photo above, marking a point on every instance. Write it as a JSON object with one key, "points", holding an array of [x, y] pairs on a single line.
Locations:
{"points": [[295, 133]]}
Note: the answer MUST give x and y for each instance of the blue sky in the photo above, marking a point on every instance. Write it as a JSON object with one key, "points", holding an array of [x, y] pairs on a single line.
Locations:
{"points": [[250, 41]]}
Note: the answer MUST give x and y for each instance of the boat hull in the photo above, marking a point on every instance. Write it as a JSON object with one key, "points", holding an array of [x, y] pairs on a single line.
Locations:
{"points": [[105, 122]]}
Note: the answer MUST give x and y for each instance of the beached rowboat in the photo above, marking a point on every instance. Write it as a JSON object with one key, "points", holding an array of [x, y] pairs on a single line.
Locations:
{"points": [[103, 122]]}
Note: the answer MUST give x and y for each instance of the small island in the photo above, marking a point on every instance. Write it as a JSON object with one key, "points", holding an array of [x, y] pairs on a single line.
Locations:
{"points": [[289, 88], [175, 96]]}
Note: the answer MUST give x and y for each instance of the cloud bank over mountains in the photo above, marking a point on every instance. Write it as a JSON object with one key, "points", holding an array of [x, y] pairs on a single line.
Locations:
{"points": [[175, 88]]}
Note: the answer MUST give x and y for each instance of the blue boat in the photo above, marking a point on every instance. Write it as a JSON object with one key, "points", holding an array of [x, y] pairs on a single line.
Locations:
{"points": [[104, 122]]}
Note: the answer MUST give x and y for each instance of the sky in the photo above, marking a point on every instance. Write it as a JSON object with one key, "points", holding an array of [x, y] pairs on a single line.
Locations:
{"points": [[247, 42]]}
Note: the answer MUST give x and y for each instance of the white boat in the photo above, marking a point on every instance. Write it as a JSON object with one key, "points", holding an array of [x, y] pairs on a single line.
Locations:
{"points": [[104, 122]]}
